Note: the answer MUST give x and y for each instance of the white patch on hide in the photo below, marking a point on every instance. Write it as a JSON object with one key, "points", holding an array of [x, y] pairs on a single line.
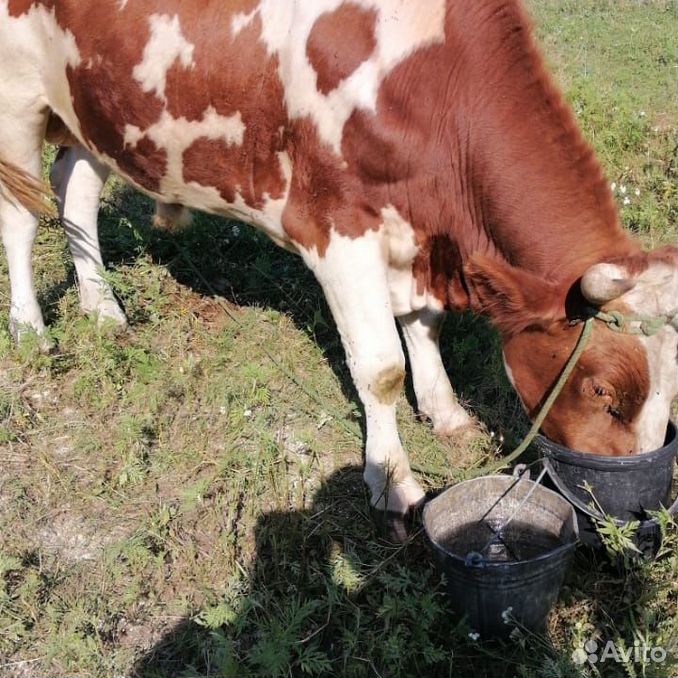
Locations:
{"points": [[402, 27], [401, 250], [509, 371], [661, 351], [656, 294], [164, 47], [175, 135], [512, 380], [241, 21], [133, 135]]}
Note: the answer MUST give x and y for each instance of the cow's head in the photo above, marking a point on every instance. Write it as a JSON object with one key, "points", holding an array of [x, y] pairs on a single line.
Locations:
{"points": [[618, 399]]}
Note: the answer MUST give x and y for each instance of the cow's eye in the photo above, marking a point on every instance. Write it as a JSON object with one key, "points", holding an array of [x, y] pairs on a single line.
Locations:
{"points": [[599, 390]]}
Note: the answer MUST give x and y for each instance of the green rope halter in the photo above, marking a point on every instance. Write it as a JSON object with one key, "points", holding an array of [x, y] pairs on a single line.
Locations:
{"points": [[648, 325]]}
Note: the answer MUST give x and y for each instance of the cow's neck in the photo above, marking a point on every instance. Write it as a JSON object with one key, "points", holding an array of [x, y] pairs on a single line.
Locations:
{"points": [[540, 199]]}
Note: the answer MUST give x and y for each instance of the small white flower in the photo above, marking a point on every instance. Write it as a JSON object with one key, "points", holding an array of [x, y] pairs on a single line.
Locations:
{"points": [[506, 615], [642, 114], [637, 191], [627, 200], [622, 189], [613, 186], [247, 414], [474, 636], [222, 410]]}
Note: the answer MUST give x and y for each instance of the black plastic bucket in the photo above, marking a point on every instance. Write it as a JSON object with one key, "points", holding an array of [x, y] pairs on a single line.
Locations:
{"points": [[624, 488], [516, 579]]}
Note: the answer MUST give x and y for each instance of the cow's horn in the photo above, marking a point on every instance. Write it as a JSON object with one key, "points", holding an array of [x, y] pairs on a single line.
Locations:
{"points": [[605, 282]]}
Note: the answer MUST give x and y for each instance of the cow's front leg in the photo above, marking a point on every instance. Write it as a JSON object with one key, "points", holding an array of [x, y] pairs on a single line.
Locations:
{"points": [[435, 397], [78, 179], [353, 276]]}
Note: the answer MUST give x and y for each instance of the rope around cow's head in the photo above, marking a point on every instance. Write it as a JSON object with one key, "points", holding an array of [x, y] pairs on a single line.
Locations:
{"points": [[615, 321], [647, 325]]}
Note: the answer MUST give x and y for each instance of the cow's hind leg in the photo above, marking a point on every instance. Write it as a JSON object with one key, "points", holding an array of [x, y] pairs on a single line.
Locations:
{"points": [[78, 179], [353, 276], [435, 397], [21, 133]]}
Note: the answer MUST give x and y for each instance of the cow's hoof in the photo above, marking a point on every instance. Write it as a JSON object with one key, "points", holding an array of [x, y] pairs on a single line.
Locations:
{"points": [[27, 335], [113, 324], [473, 434], [452, 421], [396, 527], [468, 430], [109, 316], [466, 443]]}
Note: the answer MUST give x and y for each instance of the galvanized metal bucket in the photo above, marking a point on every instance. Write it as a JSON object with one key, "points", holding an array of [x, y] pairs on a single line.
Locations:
{"points": [[498, 582]]}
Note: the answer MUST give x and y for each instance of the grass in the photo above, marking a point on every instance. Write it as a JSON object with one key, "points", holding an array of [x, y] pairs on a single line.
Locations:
{"points": [[187, 499]]}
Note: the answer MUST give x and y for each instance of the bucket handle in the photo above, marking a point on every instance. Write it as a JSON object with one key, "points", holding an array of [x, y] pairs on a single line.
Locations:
{"points": [[565, 491], [579, 504], [524, 470], [520, 470], [473, 557]]}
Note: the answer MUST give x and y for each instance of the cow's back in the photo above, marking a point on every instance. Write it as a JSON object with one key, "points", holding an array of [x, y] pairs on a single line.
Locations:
{"points": [[233, 107]]}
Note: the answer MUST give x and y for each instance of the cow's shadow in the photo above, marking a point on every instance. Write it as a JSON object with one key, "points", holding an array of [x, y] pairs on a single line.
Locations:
{"points": [[296, 550], [231, 260], [324, 597]]}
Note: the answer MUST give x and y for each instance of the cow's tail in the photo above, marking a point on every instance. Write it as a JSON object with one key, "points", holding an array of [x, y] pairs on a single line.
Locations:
{"points": [[18, 186]]}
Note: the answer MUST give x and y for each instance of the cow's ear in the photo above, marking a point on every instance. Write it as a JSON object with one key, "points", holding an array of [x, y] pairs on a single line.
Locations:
{"points": [[512, 298]]}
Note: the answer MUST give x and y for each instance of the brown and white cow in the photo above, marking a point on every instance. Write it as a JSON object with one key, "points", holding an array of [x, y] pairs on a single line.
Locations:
{"points": [[414, 153]]}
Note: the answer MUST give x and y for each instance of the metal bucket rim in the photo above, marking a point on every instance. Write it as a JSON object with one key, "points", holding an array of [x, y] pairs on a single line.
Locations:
{"points": [[578, 504], [565, 455], [560, 550]]}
